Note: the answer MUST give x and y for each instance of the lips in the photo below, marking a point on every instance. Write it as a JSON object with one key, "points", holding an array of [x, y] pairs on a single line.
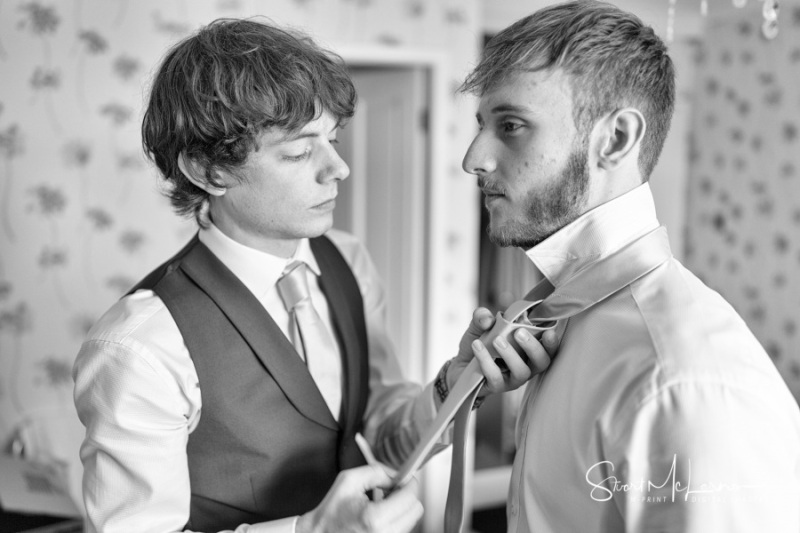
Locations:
{"points": [[491, 194], [326, 204], [489, 191]]}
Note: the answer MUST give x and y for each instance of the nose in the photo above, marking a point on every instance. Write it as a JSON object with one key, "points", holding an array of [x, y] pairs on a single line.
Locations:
{"points": [[336, 168], [479, 159]]}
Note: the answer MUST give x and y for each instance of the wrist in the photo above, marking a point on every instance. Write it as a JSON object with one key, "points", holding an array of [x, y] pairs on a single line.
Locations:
{"points": [[305, 523], [440, 385], [478, 401]]}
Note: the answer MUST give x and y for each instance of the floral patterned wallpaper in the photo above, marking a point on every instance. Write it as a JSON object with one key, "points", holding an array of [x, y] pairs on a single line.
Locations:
{"points": [[743, 235], [71, 180], [81, 218]]}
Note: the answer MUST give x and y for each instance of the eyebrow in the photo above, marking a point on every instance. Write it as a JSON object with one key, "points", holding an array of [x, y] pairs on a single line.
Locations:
{"points": [[305, 135], [505, 108], [299, 135]]}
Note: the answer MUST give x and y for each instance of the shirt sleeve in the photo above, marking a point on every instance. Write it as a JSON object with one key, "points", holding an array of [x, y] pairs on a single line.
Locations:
{"points": [[708, 456], [137, 420], [398, 411]]}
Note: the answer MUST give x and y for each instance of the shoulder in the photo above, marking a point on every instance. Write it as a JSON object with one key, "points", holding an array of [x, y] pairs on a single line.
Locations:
{"points": [[670, 337], [134, 317], [697, 354], [361, 264], [137, 330], [694, 329], [353, 251], [170, 265], [348, 244]]}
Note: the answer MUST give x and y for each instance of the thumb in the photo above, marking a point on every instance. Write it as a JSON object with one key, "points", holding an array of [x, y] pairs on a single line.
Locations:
{"points": [[368, 477], [482, 319], [550, 341]]}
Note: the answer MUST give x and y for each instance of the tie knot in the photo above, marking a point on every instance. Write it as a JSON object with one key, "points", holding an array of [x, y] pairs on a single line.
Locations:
{"points": [[293, 285]]}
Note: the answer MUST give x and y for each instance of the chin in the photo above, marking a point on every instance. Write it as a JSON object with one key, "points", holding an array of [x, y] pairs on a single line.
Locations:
{"points": [[320, 227], [507, 233]]}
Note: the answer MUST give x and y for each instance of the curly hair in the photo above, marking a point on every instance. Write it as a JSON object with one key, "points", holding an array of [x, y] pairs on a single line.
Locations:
{"points": [[218, 89], [610, 57]]}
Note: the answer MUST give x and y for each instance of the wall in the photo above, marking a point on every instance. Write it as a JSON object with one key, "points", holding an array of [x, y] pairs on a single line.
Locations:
{"points": [[744, 188], [81, 218]]}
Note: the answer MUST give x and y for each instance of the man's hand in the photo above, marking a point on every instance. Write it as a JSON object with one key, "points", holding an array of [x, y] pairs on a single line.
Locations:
{"points": [[518, 371], [346, 508]]}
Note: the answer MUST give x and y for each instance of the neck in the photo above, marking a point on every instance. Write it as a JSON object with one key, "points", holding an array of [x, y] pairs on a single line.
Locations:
{"points": [[276, 247], [606, 186], [271, 245]]}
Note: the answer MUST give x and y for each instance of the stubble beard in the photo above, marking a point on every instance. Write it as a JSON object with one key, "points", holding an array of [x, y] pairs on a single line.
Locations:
{"points": [[550, 209]]}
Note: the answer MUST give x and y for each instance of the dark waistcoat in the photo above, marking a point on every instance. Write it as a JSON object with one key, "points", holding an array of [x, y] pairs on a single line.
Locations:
{"points": [[266, 446]]}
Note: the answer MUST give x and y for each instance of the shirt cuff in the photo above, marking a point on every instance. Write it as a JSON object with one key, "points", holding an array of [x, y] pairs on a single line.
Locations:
{"points": [[284, 525]]}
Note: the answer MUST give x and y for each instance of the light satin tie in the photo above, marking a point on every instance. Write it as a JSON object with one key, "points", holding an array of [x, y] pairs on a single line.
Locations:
{"points": [[310, 337]]}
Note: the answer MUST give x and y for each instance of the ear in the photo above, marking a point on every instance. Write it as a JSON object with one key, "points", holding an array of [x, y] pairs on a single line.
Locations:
{"points": [[196, 173], [621, 135]]}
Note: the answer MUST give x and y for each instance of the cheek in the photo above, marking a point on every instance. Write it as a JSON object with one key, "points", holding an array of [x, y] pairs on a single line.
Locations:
{"points": [[528, 167], [261, 201], [539, 166], [276, 194]]}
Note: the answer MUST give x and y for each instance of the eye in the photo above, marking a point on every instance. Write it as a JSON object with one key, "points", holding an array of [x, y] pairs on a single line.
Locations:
{"points": [[510, 126], [298, 158]]}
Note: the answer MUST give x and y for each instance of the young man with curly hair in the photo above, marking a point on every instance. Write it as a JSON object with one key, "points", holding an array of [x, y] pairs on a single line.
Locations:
{"points": [[225, 390]]}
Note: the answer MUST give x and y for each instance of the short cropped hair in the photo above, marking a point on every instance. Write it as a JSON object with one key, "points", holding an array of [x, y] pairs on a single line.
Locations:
{"points": [[611, 58], [218, 89]]}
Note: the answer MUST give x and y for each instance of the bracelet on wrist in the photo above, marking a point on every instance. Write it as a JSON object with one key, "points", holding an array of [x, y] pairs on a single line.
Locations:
{"points": [[440, 385], [442, 390], [478, 402]]}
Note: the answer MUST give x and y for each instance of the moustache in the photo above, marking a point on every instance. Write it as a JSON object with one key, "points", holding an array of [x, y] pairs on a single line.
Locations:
{"points": [[489, 188]]}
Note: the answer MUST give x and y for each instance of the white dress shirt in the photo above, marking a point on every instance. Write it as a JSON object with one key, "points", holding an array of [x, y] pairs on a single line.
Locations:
{"points": [[660, 412], [137, 392]]}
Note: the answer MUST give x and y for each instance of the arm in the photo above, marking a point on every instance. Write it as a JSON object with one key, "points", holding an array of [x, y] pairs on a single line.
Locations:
{"points": [[713, 457], [136, 393], [398, 411], [134, 429]]}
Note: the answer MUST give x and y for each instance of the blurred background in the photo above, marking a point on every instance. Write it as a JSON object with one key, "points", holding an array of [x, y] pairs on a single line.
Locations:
{"points": [[82, 218]]}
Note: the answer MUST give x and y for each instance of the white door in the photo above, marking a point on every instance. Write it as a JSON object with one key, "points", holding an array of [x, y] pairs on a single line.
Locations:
{"points": [[384, 201]]}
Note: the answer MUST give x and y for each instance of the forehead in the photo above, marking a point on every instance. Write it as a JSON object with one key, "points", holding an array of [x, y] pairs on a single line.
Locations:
{"points": [[321, 126], [542, 92]]}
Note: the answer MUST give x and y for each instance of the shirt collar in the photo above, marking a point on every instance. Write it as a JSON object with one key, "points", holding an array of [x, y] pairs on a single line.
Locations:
{"points": [[258, 270], [595, 234]]}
